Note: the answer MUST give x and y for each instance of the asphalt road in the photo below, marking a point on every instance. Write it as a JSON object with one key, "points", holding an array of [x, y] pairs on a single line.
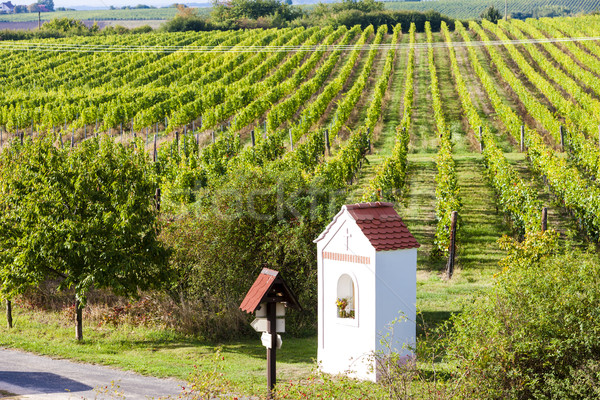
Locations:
{"points": [[29, 376]]}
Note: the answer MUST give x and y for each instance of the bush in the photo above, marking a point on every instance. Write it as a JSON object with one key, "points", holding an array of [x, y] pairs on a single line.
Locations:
{"points": [[491, 14], [250, 218], [536, 333], [182, 24]]}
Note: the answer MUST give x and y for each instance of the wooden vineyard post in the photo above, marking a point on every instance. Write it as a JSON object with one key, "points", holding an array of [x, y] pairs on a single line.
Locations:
{"points": [[252, 138], [452, 247], [177, 140], [522, 138], [185, 144], [61, 141], [73, 138], [562, 138], [544, 219], [154, 151], [157, 199], [213, 136], [271, 351], [9, 319], [480, 139], [327, 145], [84, 131], [291, 141]]}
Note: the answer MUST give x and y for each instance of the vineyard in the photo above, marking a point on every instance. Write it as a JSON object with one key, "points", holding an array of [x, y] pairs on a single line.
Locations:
{"points": [[495, 122], [471, 9]]}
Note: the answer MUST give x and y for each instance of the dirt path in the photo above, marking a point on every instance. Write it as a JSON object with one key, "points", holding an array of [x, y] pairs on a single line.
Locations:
{"points": [[29, 376]]}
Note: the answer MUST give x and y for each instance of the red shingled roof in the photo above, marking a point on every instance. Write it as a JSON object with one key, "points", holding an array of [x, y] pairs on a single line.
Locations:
{"points": [[268, 284], [381, 224]]}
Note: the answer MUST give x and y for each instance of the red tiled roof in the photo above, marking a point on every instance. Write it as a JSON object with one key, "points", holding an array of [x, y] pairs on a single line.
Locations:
{"points": [[382, 225], [267, 280]]}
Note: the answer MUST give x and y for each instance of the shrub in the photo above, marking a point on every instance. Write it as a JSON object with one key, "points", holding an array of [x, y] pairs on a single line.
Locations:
{"points": [[536, 332]]}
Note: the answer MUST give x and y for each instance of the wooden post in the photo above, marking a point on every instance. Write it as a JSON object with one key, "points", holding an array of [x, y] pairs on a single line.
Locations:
{"points": [[61, 141], [452, 247], [177, 140], [157, 199], [327, 146], [79, 323], [544, 219], [272, 351], [480, 139], [213, 136], [252, 138], [562, 138], [121, 128], [154, 152], [9, 319], [522, 138], [73, 138], [291, 140]]}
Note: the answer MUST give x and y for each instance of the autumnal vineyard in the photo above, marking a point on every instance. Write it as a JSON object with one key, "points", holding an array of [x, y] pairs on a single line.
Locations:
{"points": [[320, 98]]}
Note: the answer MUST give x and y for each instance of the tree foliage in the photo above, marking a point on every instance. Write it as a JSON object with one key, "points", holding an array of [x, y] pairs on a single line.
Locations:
{"points": [[536, 332], [49, 4], [253, 9], [84, 216], [491, 14]]}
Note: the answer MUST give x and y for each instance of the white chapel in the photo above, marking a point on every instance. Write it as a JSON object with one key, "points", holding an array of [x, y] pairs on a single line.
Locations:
{"points": [[367, 267]]}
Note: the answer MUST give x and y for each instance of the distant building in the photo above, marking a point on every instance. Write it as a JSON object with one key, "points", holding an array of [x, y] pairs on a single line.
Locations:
{"points": [[7, 7]]}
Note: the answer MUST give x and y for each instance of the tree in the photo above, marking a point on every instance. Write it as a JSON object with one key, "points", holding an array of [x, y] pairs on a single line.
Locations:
{"points": [[491, 14], [84, 216], [252, 9], [49, 4], [33, 8]]}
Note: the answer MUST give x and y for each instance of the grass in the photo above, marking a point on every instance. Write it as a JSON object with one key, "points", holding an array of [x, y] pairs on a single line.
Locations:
{"points": [[155, 351]]}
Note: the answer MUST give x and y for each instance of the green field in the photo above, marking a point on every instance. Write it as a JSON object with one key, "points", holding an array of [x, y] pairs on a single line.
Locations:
{"points": [[97, 15], [471, 9]]}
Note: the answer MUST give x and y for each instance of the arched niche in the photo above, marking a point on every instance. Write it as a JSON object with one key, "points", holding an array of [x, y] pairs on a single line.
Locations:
{"points": [[346, 297]]}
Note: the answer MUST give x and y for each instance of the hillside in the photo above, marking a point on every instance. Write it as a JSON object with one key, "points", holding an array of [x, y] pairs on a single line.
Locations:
{"points": [[211, 86]]}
